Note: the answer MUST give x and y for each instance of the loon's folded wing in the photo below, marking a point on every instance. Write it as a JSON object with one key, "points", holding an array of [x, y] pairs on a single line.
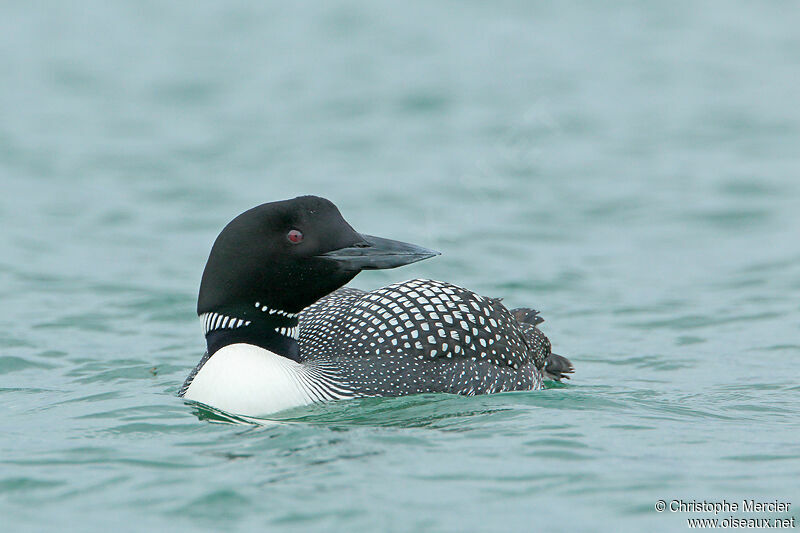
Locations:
{"points": [[418, 318], [418, 336]]}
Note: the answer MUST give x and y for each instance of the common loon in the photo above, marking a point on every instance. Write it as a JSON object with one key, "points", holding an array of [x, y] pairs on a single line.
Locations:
{"points": [[281, 333]]}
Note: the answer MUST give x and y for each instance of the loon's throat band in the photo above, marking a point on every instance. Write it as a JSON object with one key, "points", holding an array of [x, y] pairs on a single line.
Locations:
{"points": [[214, 321], [276, 331], [266, 338], [282, 324]]}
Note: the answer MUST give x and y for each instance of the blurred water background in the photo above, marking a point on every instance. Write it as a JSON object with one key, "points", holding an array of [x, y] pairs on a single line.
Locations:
{"points": [[631, 169]]}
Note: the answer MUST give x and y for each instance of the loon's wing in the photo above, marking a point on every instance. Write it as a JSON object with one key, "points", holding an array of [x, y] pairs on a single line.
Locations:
{"points": [[418, 336], [421, 319], [192, 374]]}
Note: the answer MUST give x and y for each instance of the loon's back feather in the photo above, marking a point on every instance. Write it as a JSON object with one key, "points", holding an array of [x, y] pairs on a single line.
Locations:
{"points": [[422, 336]]}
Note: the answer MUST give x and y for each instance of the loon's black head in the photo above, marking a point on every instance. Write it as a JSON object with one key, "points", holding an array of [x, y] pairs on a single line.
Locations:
{"points": [[286, 255]]}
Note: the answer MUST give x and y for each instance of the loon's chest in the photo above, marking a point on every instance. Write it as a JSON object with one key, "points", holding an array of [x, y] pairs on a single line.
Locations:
{"points": [[249, 380]]}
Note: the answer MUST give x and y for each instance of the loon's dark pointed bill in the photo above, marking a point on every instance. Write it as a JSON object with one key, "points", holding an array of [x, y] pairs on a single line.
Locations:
{"points": [[375, 253]]}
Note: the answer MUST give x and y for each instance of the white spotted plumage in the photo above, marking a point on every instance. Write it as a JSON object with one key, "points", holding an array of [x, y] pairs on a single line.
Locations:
{"points": [[429, 353]]}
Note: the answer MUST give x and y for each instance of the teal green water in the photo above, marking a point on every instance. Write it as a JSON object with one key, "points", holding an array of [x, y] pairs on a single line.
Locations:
{"points": [[631, 170]]}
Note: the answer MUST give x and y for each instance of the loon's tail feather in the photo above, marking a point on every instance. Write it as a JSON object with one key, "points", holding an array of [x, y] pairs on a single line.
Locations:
{"points": [[557, 367], [554, 367], [526, 315]]}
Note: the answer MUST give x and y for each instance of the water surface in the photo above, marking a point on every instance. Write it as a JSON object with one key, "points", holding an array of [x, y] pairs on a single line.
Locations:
{"points": [[631, 170]]}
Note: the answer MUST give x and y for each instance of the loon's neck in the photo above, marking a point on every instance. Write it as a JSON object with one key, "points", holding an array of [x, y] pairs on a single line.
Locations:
{"points": [[273, 330]]}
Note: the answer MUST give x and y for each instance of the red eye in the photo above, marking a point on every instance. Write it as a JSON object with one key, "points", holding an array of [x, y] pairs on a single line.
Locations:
{"points": [[295, 236]]}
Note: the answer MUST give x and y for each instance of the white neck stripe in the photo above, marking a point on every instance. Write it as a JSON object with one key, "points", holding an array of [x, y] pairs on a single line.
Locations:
{"points": [[215, 321]]}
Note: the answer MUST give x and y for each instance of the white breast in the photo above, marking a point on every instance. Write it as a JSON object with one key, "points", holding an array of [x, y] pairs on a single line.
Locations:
{"points": [[248, 380]]}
